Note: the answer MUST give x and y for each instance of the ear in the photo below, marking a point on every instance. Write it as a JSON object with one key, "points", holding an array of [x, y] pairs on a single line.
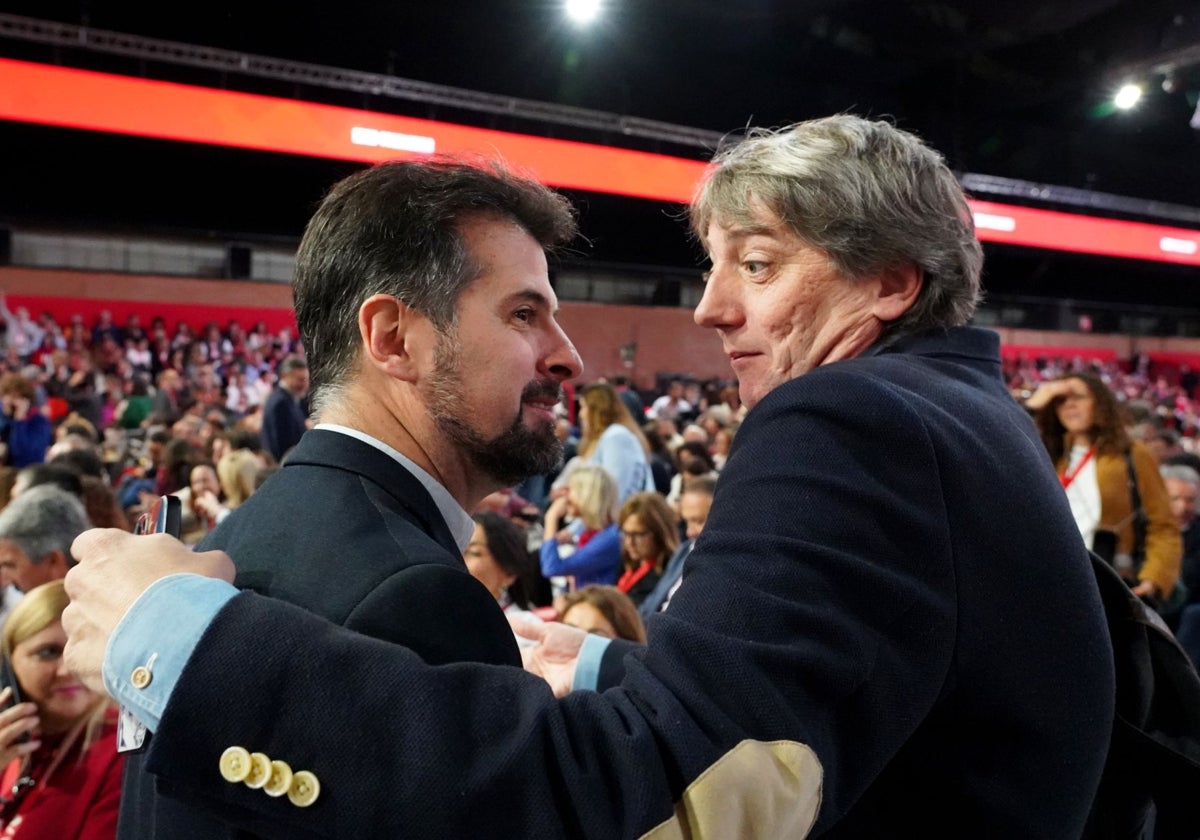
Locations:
{"points": [[897, 291], [386, 325], [58, 563]]}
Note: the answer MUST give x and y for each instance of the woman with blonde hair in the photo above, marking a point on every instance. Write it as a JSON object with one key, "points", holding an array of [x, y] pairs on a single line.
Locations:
{"points": [[63, 773], [611, 439], [236, 472], [591, 551]]}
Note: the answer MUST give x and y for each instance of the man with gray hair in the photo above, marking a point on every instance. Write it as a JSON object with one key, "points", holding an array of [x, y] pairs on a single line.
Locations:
{"points": [[889, 626], [36, 532], [1183, 493]]}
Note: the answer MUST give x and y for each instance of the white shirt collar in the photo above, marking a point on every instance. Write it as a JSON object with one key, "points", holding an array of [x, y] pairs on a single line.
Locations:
{"points": [[462, 526]]}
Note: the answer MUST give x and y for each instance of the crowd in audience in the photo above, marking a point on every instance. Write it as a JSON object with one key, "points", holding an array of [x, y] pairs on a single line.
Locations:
{"points": [[100, 419]]}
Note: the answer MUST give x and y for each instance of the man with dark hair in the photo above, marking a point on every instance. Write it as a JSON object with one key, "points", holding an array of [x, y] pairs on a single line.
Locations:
{"points": [[423, 299], [284, 420], [889, 626]]}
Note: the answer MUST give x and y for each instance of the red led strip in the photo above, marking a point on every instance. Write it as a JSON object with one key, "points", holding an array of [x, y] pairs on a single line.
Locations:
{"points": [[83, 99]]}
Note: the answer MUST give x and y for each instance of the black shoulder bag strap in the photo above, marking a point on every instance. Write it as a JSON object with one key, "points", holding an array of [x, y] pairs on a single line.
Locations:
{"points": [[1139, 516]]}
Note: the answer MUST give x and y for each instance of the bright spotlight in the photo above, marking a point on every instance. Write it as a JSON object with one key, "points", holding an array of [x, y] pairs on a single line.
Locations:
{"points": [[583, 11], [1127, 96]]}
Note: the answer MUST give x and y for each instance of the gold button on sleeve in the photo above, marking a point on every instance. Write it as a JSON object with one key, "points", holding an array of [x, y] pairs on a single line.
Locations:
{"points": [[141, 677], [304, 790], [260, 770], [235, 764], [280, 781]]}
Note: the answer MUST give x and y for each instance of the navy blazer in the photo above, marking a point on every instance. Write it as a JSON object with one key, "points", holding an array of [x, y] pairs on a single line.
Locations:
{"points": [[349, 534], [889, 628], [662, 588]]}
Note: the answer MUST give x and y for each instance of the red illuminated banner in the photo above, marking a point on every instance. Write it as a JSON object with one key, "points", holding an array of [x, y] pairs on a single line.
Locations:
{"points": [[83, 99]]}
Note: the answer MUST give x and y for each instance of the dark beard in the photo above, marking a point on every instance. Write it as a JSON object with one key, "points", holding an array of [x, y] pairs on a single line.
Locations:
{"points": [[512, 456]]}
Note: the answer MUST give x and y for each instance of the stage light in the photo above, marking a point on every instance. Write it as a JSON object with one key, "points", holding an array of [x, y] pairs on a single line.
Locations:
{"points": [[583, 11], [1127, 96]]}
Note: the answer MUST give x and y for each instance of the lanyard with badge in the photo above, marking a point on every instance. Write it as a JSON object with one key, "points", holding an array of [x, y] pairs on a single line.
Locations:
{"points": [[1069, 477]]}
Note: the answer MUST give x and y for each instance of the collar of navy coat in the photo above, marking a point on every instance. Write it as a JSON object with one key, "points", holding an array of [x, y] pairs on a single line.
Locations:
{"points": [[333, 450]]}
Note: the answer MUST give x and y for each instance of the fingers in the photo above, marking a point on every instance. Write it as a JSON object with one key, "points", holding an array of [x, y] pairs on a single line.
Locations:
{"points": [[16, 723], [97, 544], [528, 628]]}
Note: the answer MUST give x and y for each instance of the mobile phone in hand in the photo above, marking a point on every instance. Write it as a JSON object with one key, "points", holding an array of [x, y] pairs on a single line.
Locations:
{"points": [[9, 678], [164, 516]]}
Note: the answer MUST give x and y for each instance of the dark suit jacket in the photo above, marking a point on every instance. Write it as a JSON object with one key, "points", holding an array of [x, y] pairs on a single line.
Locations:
{"points": [[347, 533], [889, 628], [283, 422], [662, 588]]}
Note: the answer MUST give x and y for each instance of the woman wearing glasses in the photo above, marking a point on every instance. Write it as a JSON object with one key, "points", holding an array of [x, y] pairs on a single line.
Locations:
{"points": [[649, 536]]}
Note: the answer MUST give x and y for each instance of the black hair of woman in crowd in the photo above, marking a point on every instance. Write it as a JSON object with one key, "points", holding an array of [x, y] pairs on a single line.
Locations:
{"points": [[502, 562]]}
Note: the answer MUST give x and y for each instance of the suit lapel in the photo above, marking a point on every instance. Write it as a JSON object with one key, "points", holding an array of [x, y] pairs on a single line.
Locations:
{"points": [[334, 450]]}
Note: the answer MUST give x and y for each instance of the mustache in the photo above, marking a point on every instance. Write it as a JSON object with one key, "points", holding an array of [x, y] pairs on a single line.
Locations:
{"points": [[545, 389]]}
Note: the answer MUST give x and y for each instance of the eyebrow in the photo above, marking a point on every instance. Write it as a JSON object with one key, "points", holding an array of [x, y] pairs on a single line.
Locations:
{"points": [[740, 231]]}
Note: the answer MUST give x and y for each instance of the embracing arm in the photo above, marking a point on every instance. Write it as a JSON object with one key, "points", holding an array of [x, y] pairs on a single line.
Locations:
{"points": [[820, 623]]}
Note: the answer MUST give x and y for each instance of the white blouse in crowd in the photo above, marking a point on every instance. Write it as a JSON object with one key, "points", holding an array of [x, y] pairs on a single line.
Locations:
{"points": [[1083, 493]]}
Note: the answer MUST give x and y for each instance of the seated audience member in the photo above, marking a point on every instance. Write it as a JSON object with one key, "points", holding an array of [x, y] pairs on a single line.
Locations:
{"points": [[593, 554], [721, 443], [36, 532], [649, 537], [203, 506], [510, 504], [1183, 492], [25, 431], [695, 461], [63, 773], [662, 463], [131, 413], [36, 475], [605, 611], [172, 476], [694, 506], [100, 502], [498, 557], [671, 405], [612, 440], [236, 472]]}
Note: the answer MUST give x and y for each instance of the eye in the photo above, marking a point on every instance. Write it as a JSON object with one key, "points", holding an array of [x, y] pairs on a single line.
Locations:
{"points": [[525, 315], [754, 268], [48, 653]]}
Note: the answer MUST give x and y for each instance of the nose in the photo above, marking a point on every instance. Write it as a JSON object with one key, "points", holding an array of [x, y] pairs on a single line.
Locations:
{"points": [[561, 361], [718, 307]]}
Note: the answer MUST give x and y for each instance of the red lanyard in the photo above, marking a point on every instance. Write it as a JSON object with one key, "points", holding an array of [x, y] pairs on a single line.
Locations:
{"points": [[1067, 478], [631, 577]]}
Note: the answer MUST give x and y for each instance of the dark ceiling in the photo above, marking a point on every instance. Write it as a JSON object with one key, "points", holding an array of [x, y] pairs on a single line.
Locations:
{"points": [[1015, 88]]}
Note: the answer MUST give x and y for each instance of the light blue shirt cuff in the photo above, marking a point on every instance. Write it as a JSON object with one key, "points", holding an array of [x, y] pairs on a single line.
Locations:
{"points": [[587, 667], [159, 632]]}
